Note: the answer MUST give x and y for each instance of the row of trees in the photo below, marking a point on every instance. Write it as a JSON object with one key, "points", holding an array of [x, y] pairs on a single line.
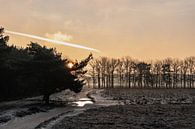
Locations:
{"points": [[131, 73], [36, 70]]}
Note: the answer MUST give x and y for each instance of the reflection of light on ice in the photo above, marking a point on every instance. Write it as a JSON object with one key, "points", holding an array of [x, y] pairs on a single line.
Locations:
{"points": [[83, 101]]}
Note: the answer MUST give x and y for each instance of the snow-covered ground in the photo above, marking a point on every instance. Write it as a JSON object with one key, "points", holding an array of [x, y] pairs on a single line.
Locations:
{"points": [[30, 113], [136, 109]]}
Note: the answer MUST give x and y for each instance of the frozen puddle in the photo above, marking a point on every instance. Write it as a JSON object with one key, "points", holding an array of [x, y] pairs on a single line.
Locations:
{"points": [[83, 101], [75, 111]]}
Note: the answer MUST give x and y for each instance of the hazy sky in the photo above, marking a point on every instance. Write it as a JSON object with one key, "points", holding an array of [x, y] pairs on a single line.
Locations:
{"points": [[144, 29]]}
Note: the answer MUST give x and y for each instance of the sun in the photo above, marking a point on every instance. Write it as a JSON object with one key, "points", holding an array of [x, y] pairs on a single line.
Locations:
{"points": [[70, 65]]}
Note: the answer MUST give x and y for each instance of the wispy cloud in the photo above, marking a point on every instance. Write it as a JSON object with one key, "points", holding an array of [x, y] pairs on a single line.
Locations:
{"points": [[59, 36]]}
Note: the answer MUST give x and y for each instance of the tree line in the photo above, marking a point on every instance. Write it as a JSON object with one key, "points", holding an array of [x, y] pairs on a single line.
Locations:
{"points": [[37, 70], [127, 72]]}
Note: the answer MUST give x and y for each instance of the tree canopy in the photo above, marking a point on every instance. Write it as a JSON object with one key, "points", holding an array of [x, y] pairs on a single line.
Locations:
{"points": [[37, 70]]}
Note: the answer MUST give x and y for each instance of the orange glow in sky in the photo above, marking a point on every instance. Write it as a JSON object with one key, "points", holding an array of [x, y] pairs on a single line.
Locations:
{"points": [[143, 29]]}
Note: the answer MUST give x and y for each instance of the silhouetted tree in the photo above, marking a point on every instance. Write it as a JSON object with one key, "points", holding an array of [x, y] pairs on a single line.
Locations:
{"points": [[37, 70], [93, 72], [120, 71], [113, 64], [143, 74], [130, 73]]}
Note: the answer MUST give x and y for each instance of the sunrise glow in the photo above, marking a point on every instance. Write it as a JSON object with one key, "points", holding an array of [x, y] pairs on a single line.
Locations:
{"points": [[143, 29]]}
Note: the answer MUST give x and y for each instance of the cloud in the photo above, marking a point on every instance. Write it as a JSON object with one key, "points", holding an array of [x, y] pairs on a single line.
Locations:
{"points": [[59, 36]]}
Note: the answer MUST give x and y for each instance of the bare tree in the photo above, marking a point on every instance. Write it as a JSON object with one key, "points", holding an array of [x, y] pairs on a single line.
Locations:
{"points": [[98, 71], [126, 61], [113, 65], [108, 74], [93, 72], [103, 62], [156, 71], [184, 69], [120, 71], [166, 70], [176, 67], [190, 62], [143, 74], [130, 73]]}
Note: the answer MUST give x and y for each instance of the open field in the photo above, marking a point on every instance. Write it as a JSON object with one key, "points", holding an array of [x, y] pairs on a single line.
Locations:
{"points": [[151, 96], [113, 109], [139, 109]]}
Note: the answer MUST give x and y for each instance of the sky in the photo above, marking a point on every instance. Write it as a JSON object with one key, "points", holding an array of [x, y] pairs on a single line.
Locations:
{"points": [[143, 29]]}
